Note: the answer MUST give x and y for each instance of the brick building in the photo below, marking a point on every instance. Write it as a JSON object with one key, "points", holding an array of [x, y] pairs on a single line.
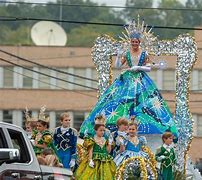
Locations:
{"points": [[20, 88]]}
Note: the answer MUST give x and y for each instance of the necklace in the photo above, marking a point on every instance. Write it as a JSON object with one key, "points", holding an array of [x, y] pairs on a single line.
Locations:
{"points": [[135, 56], [134, 140], [100, 141]]}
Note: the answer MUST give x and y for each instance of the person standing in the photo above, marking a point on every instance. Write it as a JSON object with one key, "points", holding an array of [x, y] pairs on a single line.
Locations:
{"points": [[65, 140], [166, 156], [98, 164]]}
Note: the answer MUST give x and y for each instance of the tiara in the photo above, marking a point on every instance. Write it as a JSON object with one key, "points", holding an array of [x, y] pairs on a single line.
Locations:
{"points": [[43, 116], [27, 115], [133, 121], [100, 119], [138, 30]]}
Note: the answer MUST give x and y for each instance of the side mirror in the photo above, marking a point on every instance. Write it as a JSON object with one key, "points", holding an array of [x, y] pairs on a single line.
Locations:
{"points": [[9, 155]]}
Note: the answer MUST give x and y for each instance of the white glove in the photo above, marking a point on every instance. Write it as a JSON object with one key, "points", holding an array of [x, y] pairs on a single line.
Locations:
{"points": [[91, 163], [134, 68], [161, 157], [120, 141], [118, 62], [111, 139], [72, 163], [145, 68]]}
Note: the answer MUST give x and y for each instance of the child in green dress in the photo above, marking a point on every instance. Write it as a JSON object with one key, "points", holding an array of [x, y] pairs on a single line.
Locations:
{"points": [[166, 155], [98, 165]]}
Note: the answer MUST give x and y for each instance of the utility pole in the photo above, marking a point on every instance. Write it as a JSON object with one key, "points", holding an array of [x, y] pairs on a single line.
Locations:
{"points": [[61, 3]]}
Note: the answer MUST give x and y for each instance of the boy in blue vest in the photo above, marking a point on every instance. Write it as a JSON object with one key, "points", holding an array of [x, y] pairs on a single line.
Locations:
{"points": [[65, 140]]}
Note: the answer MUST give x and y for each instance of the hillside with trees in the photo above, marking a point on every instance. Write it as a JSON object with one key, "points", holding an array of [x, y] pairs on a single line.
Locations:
{"points": [[17, 32]]}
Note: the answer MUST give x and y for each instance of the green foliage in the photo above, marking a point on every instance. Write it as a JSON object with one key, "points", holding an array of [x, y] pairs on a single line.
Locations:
{"points": [[84, 36], [18, 32], [193, 18], [20, 36], [154, 17], [171, 18]]}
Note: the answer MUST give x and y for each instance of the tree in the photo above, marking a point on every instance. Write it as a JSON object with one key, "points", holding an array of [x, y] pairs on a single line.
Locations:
{"points": [[19, 36], [172, 18], [150, 16], [73, 13], [77, 37], [193, 18], [155, 17]]}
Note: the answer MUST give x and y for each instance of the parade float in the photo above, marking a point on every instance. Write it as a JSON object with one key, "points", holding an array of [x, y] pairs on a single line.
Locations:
{"points": [[149, 108]]}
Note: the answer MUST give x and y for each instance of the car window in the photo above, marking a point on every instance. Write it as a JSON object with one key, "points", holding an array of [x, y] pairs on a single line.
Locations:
{"points": [[3, 143], [20, 144]]}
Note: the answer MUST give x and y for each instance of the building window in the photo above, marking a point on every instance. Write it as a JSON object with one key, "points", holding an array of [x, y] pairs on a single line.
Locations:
{"points": [[81, 72], [78, 119], [62, 84], [200, 79], [199, 125], [8, 77], [8, 116], [153, 75], [168, 80], [44, 81], [94, 76], [27, 78]]}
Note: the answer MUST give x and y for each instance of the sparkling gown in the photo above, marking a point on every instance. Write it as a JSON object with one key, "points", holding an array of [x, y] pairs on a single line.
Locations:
{"points": [[43, 137], [104, 166], [132, 93], [132, 150]]}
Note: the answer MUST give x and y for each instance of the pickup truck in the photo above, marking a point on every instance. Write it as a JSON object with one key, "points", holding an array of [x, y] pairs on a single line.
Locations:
{"points": [[18, 160]]}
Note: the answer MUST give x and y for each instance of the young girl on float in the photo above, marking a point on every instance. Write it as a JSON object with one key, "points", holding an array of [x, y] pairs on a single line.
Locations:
{"points": [[99, 163], [132, 145], [43, 138], [30, 124]]}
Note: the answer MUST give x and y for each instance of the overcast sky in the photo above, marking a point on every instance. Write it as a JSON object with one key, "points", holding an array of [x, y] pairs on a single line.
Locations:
{"points": [[119, 2], [108, 2]]}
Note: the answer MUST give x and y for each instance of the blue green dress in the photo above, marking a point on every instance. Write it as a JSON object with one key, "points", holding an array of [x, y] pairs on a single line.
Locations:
{"points": [[132, 93]]}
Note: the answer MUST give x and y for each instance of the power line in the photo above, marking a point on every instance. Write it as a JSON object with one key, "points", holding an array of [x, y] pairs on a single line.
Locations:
{"points": [[196, 101], [61, 57], [1, 59], [26, 60], [102, 6], [49, 83], [44, 66], [10, 19], [199, 90]]}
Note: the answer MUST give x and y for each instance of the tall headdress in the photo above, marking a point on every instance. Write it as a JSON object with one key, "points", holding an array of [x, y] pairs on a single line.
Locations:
{"points": [[133, 121], [138, 30], [42, 116], [100, 119], [27, 115]]}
